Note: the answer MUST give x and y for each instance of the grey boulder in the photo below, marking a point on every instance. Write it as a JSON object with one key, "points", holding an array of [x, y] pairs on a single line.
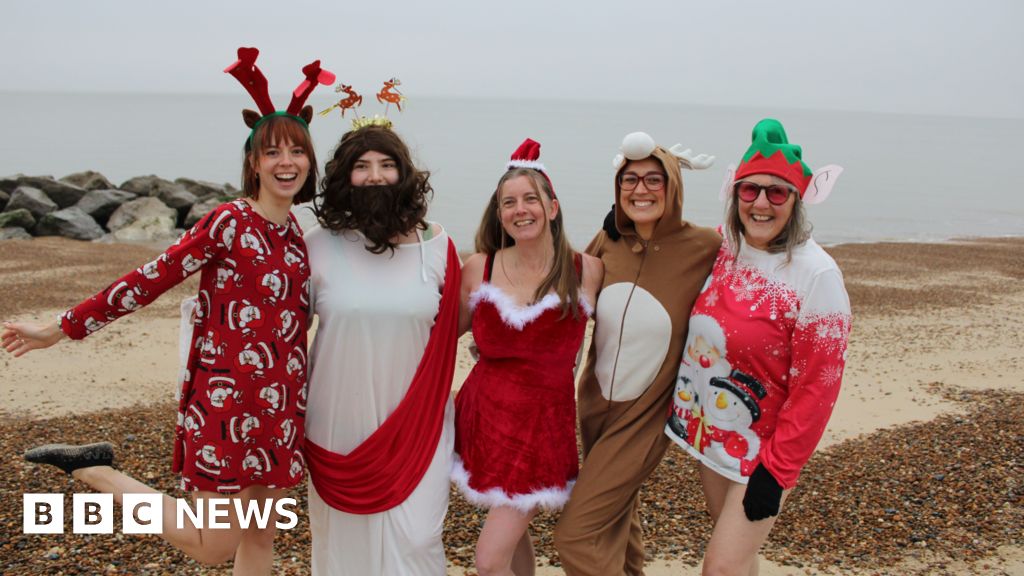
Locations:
{"points": [[203, 189], [200, 209], [100, 204], [20, 218], [14, 234], [69, 223], [32, 199], [89, 180], [64, 195], [149, 185], [143, 220]]}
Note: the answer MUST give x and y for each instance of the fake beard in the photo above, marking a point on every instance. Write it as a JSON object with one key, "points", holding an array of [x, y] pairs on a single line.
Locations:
{"points": [[366, 204]]}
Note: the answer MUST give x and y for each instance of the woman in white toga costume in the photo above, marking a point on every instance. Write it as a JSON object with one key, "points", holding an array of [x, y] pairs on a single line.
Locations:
{"points": [[379, 428]]}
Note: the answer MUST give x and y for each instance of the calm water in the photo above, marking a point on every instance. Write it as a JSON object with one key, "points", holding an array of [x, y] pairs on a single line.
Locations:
{"points": [[907, 177]]}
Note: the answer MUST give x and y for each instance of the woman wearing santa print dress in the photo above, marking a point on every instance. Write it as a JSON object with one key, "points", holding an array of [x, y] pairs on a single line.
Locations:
{"points": [[764, 356], [241, 412], [528, 296]]}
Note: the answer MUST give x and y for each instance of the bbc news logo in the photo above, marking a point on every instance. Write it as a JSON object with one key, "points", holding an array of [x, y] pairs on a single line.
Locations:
{"points": [[144, 513]]}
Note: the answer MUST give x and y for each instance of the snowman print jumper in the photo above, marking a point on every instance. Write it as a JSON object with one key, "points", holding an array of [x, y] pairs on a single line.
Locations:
{"points": [[763, 362], [243, 391]]}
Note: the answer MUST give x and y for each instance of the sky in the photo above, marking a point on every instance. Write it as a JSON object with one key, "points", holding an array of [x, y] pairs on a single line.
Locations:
{"points": [[901, 56]]}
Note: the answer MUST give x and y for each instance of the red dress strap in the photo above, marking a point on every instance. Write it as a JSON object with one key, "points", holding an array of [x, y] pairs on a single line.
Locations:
{"points": [[488, 266], [382, 471]]}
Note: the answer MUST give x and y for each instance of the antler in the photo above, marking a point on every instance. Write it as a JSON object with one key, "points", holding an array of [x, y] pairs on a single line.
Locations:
{"points": [[314, 75], [249, 76], [698, 162]]}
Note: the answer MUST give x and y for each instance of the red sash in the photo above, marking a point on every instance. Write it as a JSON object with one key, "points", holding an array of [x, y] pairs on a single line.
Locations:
{"points": [[382, 471]]}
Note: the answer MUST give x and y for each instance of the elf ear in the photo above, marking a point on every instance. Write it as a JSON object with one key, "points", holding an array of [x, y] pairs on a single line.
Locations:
{"points": [[251, 117], [822, 182], [306, 114], [730, 173]]}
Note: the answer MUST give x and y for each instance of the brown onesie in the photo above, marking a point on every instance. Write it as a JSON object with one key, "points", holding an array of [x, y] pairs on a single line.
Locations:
{"points": [[627, 382]]}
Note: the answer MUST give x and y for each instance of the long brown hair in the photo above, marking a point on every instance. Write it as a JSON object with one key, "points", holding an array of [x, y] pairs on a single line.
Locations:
{"points": [[492, 237], [277, 130], [386, 211]]}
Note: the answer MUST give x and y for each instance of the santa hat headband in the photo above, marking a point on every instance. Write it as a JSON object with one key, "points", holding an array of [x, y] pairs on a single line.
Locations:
{"points": [[252, 79], [526, 156]]}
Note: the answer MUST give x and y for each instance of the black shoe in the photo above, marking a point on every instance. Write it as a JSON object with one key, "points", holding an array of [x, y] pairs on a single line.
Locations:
{"points": [[69, 457]]}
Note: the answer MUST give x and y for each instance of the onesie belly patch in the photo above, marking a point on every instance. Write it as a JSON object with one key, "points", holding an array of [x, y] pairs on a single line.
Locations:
{"points": [[645, 337]]}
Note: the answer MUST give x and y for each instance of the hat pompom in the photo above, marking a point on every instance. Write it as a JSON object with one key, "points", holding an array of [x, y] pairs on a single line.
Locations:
{"points": [[637, 146]]}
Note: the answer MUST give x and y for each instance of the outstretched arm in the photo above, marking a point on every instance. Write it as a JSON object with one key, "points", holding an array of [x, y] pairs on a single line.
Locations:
{"points": [[19, 338]]}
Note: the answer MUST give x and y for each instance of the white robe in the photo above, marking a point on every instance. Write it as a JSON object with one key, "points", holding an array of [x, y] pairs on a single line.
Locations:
{"points": [[375, 314]]}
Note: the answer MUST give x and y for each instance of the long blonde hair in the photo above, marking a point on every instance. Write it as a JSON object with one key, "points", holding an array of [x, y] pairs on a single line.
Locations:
{"points": [[562, 278]]}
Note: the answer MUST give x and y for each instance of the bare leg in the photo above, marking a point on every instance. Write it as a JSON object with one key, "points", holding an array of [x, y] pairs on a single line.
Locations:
{"points": [[523, 561], [206, 545], [255, 552], [500, 541], [735, 540]]}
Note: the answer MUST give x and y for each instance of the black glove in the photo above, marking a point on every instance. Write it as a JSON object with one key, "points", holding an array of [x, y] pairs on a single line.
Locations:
{"points": [[609, 225], [763, 495]]}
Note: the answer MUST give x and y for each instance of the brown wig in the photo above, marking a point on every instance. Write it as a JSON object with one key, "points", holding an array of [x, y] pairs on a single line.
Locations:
{"points": [[278, 130], [381, 213], [795, 233], [491, 237]]}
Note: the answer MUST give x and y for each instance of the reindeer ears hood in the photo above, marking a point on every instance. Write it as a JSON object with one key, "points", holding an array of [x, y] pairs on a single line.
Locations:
{"points": [[252, 79]]}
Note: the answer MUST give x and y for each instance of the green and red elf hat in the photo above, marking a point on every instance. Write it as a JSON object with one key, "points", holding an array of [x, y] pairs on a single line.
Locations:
{"points": [[252, 79], [770, 152]]}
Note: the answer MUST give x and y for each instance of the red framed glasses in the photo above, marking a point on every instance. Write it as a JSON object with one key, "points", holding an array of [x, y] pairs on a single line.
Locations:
{"points": [[775, 193]]}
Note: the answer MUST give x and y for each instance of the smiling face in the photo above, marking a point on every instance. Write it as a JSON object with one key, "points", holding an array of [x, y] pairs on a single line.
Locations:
{"points": [[763, 221], [643, 206], [282, 169], [525, 211], [374, 169]]}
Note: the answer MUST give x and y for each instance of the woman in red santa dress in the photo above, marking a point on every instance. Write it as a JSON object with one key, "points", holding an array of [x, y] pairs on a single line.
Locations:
{"points": [[764, 355], [242, 401], [528, 296]]}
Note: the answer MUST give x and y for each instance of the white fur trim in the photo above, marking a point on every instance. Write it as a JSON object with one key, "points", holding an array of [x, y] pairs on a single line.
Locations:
{"points": [[546, 498], [524, 164], [513, 314]]}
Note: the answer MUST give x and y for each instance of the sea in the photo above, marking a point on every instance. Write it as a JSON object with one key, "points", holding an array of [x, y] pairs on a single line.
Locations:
{"points": [[907, 177]]}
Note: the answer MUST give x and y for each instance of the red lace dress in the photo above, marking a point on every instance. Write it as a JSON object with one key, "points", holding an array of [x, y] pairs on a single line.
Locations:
{"points": [[515, 416]]}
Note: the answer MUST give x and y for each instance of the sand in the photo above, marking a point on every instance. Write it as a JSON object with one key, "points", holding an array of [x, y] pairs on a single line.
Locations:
{"points": [[948, 313]]}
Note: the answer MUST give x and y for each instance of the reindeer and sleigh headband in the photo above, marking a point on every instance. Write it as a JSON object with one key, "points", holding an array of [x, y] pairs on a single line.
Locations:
{"points": [[249, 76]]}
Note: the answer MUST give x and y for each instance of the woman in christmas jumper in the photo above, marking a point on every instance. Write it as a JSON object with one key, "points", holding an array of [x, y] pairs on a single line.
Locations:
{"points": [[379, 430], [528, 296], [764, 356], [654, 264], [240, 420]]}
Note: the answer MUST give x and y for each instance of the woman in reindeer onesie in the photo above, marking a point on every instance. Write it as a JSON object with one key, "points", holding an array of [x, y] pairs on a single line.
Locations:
{"points": [[654, 264], [242, 401], [528, 295], [776, 313]]}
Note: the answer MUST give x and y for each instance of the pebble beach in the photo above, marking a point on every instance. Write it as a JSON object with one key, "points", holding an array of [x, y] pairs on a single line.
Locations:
{"points": [[921, 470]]}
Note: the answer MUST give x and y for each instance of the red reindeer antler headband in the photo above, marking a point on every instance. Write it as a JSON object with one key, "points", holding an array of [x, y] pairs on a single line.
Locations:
{"points": [[249, 76]]}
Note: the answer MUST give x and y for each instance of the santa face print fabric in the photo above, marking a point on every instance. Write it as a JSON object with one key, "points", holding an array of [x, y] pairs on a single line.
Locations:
{"points": [[243, 393], [762, 362]]}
